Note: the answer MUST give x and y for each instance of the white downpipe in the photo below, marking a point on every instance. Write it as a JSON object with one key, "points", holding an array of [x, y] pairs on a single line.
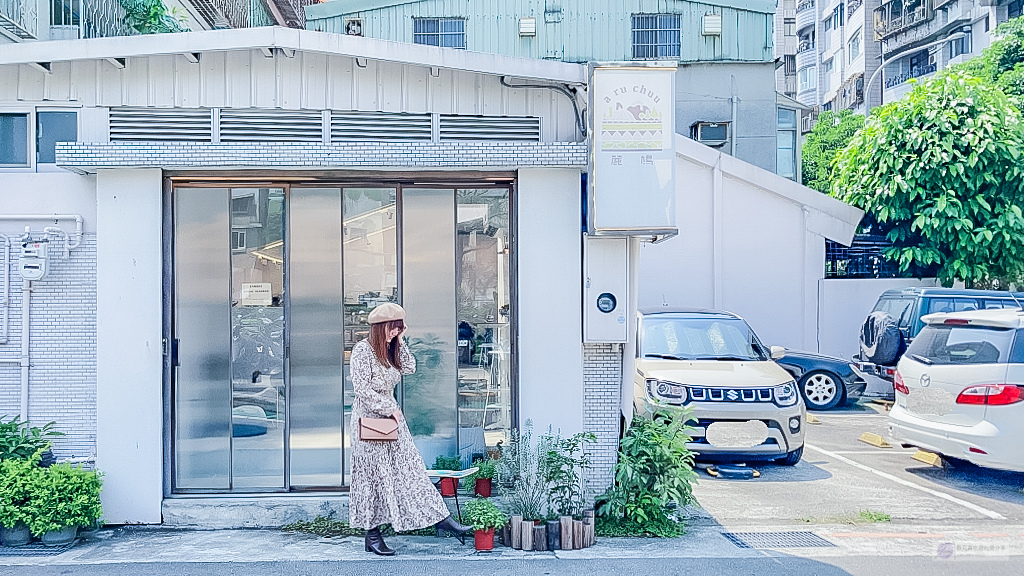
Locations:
{"points": [[5, 296], [26, 301], [732, 126]]}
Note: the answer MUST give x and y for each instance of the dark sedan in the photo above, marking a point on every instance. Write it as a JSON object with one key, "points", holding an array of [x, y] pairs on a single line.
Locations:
{"points": [[824, 381]]}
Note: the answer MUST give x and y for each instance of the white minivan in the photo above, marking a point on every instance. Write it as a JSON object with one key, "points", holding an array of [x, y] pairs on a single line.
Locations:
{"points": [[960, 388]]}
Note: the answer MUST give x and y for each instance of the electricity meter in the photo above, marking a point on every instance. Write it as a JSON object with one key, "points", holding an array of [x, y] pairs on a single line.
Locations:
{"points": [[33, 263]]}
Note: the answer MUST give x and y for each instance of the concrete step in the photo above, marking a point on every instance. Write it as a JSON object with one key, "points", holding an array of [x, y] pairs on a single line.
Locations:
{"points": [[220, 512]]}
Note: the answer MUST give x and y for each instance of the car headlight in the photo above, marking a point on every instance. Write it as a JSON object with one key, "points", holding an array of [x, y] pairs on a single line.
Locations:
{"points": [[786, 394], [666, 391]]}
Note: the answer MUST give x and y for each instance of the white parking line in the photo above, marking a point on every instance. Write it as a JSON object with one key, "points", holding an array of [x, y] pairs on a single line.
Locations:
{"points": [[969, 505]]}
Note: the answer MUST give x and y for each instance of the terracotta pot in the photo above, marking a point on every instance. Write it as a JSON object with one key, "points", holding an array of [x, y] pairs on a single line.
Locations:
{"points": [[484, 539], [17, 536], [447, 486], [483, 487], [60, 537]]}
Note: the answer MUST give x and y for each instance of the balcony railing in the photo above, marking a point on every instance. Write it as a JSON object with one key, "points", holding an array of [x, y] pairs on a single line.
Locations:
{"points": [[18, 18], [804, 46], [805, 5], [852, 5], [914, 73], [72, 19], [893, 17]]}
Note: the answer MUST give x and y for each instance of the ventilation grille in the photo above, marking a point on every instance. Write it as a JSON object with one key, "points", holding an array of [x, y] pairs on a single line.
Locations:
{"points": [[271, 126], [379, 126], [160, 124], [455, 128]]}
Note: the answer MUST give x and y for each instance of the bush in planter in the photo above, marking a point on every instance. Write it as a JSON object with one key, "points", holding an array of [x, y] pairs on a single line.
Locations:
{"points": [[19, 440], [18, 480], [64, 496], [482, 477], [484, 517]]}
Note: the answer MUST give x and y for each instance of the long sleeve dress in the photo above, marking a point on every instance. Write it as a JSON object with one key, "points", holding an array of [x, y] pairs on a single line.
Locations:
{"points": [[389, 481]]}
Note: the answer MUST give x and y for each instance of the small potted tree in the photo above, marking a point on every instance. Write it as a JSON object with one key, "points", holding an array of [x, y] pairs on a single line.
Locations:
{"points": [[452, 463], [483, 476], [18, 477], [64, 498], [484, 517]]}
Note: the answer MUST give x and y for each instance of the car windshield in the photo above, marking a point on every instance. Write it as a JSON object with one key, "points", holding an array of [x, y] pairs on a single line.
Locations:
{"points": [[942, 344], [693, 338]]}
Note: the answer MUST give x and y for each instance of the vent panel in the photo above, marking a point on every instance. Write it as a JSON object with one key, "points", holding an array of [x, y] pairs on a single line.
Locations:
{"points": [[477, 128], [160, 125], [271, 126], [379, 126]]}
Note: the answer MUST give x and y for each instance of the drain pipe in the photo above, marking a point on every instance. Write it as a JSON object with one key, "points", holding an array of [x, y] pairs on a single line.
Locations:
{"points": [[26, 301], [5, 296]]}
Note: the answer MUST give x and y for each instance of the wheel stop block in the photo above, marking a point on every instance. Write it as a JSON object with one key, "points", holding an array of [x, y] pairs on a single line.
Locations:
{"points": [[929, 458], [874, 439], [812, 419]]}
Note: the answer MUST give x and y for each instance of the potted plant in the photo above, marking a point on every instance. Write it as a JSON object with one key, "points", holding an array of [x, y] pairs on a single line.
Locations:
{"points": [[18, 477], [484, 517], [483, 476], [64, 497], [448, 463]]}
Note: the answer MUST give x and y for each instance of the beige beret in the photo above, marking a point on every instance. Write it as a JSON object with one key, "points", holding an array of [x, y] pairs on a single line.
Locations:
{"points": [[386, 312]]}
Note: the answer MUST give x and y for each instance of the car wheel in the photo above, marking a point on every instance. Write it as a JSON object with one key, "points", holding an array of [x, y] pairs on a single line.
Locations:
{"points": [[821, 390], [791, 458]]}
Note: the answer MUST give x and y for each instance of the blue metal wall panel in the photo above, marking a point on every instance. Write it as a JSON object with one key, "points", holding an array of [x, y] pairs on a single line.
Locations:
{"points": [[586, 30]]}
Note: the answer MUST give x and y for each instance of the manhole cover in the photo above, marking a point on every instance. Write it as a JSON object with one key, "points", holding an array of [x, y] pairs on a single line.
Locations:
{"points": [[34, 549], [777, 540]]}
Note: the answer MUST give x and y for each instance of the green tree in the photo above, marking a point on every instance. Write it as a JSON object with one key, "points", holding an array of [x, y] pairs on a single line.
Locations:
{"points": [[831, 134], [1002, 63], [153, 17], [940, 171]]}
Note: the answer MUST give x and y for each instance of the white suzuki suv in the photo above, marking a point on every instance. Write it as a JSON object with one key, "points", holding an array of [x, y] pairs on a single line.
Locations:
{"points": [[960, 388]]}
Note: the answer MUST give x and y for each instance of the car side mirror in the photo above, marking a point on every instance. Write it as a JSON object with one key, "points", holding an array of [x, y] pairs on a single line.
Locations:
{"points": [[777, 352]]}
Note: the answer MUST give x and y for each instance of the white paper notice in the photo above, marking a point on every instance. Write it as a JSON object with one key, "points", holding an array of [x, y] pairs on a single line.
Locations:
{"points": [[256, 294]]}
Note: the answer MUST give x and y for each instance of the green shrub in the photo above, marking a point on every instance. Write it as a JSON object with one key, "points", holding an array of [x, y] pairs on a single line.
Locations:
{"points": [[64, 495], [482, 514], [19, 440], [486, 468], [447, 463], [18, 479], [654, 471]]}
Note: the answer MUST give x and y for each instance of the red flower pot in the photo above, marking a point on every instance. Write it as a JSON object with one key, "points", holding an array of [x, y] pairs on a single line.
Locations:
{"points": [[483, 487], [447, 486], [484, 539]]}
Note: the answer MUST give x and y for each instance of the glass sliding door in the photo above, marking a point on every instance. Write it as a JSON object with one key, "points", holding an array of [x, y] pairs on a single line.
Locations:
{"points": [[316, 416], [428, 294], [202, 326], [258, 396], [371, 269], [484, 324]]}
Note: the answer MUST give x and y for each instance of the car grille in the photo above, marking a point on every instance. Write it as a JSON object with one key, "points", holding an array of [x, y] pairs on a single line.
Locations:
{"points": [[730, 394]]}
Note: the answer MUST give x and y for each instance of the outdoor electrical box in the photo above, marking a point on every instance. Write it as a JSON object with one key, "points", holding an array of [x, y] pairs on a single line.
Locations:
{"points": [[33, 263], [605, 288]]}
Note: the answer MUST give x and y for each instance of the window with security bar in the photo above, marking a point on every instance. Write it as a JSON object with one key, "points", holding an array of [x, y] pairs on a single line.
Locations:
{"points": [[443, 32], [656, 36]]}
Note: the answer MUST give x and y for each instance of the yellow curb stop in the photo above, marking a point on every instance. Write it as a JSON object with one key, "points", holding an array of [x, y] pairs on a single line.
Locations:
{"points": [[874, 439], [928, 458], [812, 419]]}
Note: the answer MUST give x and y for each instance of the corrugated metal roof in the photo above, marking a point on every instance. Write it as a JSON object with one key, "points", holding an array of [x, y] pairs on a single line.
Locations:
{"points": [[578, 31]]}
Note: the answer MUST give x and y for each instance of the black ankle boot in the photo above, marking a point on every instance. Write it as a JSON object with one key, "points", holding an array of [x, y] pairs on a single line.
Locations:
{"points": [[450, 526], [375, 543]]}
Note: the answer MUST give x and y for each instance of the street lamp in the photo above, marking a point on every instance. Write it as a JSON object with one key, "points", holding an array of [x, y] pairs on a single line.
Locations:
{"points": [[867, 88]]}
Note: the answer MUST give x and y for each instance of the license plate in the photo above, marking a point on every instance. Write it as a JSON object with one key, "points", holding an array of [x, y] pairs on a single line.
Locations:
{"points": [[931, 401], [736, 434]]}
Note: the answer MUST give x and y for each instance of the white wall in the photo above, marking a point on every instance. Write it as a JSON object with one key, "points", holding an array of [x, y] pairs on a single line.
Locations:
{"points": [[740, 248], [129, 356], [843, 305], [549, 268]]}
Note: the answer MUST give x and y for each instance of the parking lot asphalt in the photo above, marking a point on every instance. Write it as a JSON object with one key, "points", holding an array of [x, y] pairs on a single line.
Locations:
{"points": [[840, 477]]}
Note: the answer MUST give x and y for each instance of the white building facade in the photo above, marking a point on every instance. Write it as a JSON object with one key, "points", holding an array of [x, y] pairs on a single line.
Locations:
{"points": [[222, 209]]}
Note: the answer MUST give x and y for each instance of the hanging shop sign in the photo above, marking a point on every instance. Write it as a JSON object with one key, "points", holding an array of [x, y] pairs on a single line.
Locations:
{"points": [[632, 150]]}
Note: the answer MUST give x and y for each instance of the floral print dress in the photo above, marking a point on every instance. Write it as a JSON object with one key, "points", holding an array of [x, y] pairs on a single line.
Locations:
{"points": [[389, 481]]}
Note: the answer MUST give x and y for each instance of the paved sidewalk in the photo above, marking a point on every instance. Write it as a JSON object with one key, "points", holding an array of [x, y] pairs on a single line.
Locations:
{"points": [[140, 545]]}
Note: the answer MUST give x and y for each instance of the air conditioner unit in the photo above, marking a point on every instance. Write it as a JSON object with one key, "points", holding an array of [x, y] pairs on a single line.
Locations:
{"points": [[712, 134]]}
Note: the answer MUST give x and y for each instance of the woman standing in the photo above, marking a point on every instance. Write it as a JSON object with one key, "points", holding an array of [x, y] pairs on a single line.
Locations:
{"points": [[389, 481]]}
